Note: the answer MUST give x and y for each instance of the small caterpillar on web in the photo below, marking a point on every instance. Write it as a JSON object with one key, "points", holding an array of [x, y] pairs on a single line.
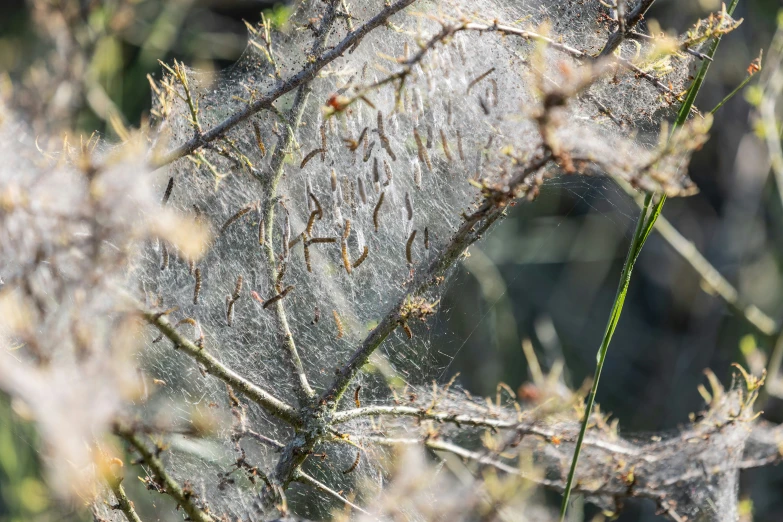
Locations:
{"points": [[339, 324], [344, 246], [409, 247], [376, 212]]}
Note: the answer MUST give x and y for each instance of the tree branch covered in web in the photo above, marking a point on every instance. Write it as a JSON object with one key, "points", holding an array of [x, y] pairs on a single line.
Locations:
{"points": [[322, 192]]}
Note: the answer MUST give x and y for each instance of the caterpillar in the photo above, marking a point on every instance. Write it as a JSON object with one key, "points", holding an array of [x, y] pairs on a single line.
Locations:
{"points": [[356, 396], [407, 330], [449, 114], [360, 188], [317, 205], [344, 246], [310, 155], [317, 316], [429, 136], [310, 223], [376, 212], [339, 324], [229, 310], [261, 230], [355, 463], [237, 288], [197, 289], [409, 247], [408, 206], [376, 176], [280, 275], [368, 152], [484, 106], [323, 141], [259, 141], [167, 193], [307, 256], [424, 157], [322, 240], [494, 92], [417, 174], [387, 169], [426, 238], [278, 297], [165, 255], [479, 78], [459, 146], [362, 257], [445, 142], [236, 217]]}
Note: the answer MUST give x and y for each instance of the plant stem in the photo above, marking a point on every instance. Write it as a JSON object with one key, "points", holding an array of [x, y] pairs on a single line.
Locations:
{"points": [[614, 317], [643, 228]]}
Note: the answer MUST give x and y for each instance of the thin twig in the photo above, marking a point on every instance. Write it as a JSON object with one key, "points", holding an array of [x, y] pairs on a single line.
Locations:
{"points": [[169, 485], [271, 404]]}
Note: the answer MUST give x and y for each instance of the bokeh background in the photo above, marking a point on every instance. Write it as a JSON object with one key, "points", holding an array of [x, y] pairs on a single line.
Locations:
{"points": [[548, 273]]}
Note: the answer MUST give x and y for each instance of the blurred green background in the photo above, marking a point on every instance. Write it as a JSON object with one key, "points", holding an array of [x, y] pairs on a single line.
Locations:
{"points": [[548, 273]]}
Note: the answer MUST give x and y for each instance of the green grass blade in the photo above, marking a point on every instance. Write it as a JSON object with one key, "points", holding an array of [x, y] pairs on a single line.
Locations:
{"points": [[644, 227]]}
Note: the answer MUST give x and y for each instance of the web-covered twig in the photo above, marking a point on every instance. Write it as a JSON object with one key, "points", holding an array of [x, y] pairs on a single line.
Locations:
{"points": [[165, 483], [305, 75], [269, 402]]}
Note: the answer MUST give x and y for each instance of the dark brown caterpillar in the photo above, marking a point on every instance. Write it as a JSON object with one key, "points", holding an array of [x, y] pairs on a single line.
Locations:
{"points": [[362, 257], [426, 238], [376, 212], [310, 156], [317, 205], [273, 300], [167, 194], [307, 256], [236, 217], [164, 264], [479, 78], [355, 463], [197, 289], [356, 396], [322, 240]]}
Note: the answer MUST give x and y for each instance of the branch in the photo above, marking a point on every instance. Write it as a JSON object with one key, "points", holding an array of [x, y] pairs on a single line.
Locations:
{"points": [[304, 478], [632, 20], [301, 78], [183, 497], [420, 413], [124, 504], [467, 234], [261, 397]]}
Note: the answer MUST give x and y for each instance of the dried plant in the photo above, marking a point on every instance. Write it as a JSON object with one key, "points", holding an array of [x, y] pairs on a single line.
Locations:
{"points": [[278, 241]]}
